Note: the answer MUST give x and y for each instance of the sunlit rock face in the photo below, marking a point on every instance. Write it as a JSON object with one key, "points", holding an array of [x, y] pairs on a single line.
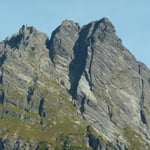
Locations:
{"points": [[79, 89]]}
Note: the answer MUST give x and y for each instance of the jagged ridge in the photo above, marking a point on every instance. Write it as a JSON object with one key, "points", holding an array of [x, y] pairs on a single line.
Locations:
{"points": [[89, 67]]}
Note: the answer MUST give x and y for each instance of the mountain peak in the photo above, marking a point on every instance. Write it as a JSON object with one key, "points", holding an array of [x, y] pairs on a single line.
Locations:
{"points": [[66, 22], [100, 31], [68, 25], [106, 25], [27, 29], [27, 36], [105, 19]]}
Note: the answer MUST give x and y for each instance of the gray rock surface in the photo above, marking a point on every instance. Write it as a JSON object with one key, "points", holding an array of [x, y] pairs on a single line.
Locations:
{"points": [[16, 143], [61, 49], [80, 89], [109, 86], [25, 63]]}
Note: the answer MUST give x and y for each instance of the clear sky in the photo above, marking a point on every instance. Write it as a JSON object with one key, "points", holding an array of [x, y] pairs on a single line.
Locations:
{"points": [[131, 18]]}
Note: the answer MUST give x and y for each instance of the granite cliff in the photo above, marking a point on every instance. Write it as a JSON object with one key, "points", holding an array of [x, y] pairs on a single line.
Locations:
{"points": [[79, 90]]}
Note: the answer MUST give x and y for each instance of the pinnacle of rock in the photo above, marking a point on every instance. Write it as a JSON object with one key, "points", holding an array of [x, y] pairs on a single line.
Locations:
{"points": [[27, 29]]}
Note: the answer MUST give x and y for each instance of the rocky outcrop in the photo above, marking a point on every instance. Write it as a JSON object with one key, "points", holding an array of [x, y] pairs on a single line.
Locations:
{"points": [[13, 142], [61, 49], [80, 89], [24, 62], [106, 78]]}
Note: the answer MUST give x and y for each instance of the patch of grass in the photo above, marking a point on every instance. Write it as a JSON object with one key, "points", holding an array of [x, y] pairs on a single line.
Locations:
{"points": [[134, 139], [11, 108], [43, 145], [18, 111], [51, 130]]}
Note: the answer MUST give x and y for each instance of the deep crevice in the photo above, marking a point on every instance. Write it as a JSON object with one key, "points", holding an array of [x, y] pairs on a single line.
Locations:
{"points": [[142, 113], [2, 58], [1, 145], [139, 69], [110, 113], [94, 142], [90, 68], [1, 78], [82, 108], [51, 55], [50, 45], [142, 82], [142, 99], [77, 66], [31, 89], [2, 97], [30, 94], [41, 108], [143, 118]]}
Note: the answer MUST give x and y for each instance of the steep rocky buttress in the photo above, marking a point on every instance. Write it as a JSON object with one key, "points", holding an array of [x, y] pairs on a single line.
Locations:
{"points": [[79, 90]]}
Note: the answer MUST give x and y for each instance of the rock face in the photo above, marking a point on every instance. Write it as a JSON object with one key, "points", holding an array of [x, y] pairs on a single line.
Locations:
{"points": [[61, 49], [80, 89], [106, 78]]}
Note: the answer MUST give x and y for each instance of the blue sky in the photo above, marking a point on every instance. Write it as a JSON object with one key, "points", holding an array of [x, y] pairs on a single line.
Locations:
{"points": [[131, 18]]}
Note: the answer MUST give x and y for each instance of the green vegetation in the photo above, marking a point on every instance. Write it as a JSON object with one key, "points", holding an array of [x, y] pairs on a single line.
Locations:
{"points": [[30, 126], [133, 138], [43, 145], [51, 131]]}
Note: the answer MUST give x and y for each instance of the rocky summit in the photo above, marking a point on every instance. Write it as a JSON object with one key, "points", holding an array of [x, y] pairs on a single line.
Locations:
{"points": [[80, 89]]}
